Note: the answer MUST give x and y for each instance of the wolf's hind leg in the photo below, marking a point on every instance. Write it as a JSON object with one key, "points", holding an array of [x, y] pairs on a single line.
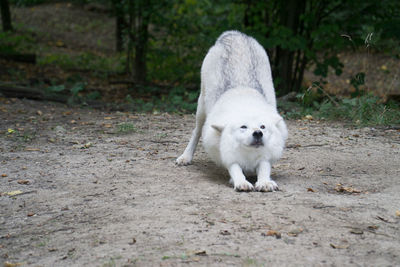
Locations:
{"points": [[187, 156]]}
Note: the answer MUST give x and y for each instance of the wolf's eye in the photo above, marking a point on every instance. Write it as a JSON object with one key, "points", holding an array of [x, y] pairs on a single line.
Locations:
{"points": [[262, 127], [243, 127]]}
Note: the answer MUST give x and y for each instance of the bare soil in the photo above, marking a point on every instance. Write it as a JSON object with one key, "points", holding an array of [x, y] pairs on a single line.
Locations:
{"points": [[82, 187]]}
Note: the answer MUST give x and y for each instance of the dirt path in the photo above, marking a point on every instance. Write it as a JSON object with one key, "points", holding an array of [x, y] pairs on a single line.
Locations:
{"points": [[101, 189]]}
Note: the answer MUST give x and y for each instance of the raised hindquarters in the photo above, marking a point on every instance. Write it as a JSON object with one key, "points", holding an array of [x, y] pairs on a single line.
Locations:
{"points": [[236, 60]]}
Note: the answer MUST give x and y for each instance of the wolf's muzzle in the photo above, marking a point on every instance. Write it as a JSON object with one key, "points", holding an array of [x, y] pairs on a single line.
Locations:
{"points": [[257, 134]]}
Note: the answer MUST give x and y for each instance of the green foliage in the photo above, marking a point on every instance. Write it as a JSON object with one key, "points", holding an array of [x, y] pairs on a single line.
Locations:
{"points": [[74, 92], [27, 2], [364, 109], [84, 61], [178, 100], [56, 88], [125, 128], [357, 81], [12, 43]]}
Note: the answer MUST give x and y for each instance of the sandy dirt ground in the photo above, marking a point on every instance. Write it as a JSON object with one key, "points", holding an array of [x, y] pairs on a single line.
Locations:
{"points": [[82, 187]]}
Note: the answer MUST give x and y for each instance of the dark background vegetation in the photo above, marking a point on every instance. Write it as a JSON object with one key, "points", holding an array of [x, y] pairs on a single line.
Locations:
{"points": [[145, 55]]}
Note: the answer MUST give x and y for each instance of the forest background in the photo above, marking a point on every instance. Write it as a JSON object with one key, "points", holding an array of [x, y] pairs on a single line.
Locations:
{"points": [[330, 59]]}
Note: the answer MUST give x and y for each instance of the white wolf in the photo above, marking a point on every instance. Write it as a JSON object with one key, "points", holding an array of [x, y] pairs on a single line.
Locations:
{"points": [[236, 113]]}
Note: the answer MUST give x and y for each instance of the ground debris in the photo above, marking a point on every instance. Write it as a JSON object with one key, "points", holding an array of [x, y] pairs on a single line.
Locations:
{"points": [[344, 244], [13, 193], [225, 232], [200, 253], [133, 241], [295, 232], [356, 231], [346, 189], [272, 233], [11, 264]]}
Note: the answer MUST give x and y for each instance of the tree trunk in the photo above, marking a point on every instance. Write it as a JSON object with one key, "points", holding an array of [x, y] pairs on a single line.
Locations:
{"points": [[119, 46], [27, 58], [140, 70], [5, 15], [119, 24], [290, 14]]}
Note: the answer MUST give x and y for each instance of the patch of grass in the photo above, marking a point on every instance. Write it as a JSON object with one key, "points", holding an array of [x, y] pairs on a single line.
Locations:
{"points": [[178, 100], [84, 61], [363, 109], [21, 136], [27, 2], [112, 262], [11, 42], [126, 128], [250, 262]]}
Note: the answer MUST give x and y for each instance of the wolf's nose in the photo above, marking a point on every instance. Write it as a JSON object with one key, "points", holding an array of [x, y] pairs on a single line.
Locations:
{"points": [[257, 134]]}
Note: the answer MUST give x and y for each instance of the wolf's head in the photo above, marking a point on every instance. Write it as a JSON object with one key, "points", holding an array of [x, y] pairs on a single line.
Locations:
{"points": [[254, 132]]}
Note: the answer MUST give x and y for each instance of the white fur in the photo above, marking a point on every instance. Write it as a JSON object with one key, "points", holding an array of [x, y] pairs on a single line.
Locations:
{"points": [[237, 101]]}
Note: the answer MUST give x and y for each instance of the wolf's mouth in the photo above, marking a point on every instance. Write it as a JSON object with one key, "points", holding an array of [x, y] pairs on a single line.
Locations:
{"points": [[257, 143]]}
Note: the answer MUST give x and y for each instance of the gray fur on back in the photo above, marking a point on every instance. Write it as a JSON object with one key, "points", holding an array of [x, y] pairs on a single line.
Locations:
{"points": [[236, 60]]}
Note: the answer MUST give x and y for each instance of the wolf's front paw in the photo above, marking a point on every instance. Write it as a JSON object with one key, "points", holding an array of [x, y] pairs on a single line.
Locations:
{"points": [[266, 186], [183, 160], [244, 186]]}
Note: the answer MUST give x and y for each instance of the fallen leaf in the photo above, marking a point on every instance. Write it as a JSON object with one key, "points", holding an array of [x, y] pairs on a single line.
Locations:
{"points": [[372, 227], [60, 43], [32, 149], [200, 253], [273, 233], [14, 193], [87, 145], [224, 232], [310, 189], [295, 232], [73, 121], [30, 214], [107, 125], [23, 182], [4, 175], [40, 113], [397, 213], [382, 219], [341, 246], [356, 231], [10, 264], [108, 118], [10, 131], [308, 117], [346, 189]]}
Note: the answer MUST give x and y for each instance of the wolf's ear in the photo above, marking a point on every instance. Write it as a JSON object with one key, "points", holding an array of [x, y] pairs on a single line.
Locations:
{"points": [[281, 125], [218, 128]]}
